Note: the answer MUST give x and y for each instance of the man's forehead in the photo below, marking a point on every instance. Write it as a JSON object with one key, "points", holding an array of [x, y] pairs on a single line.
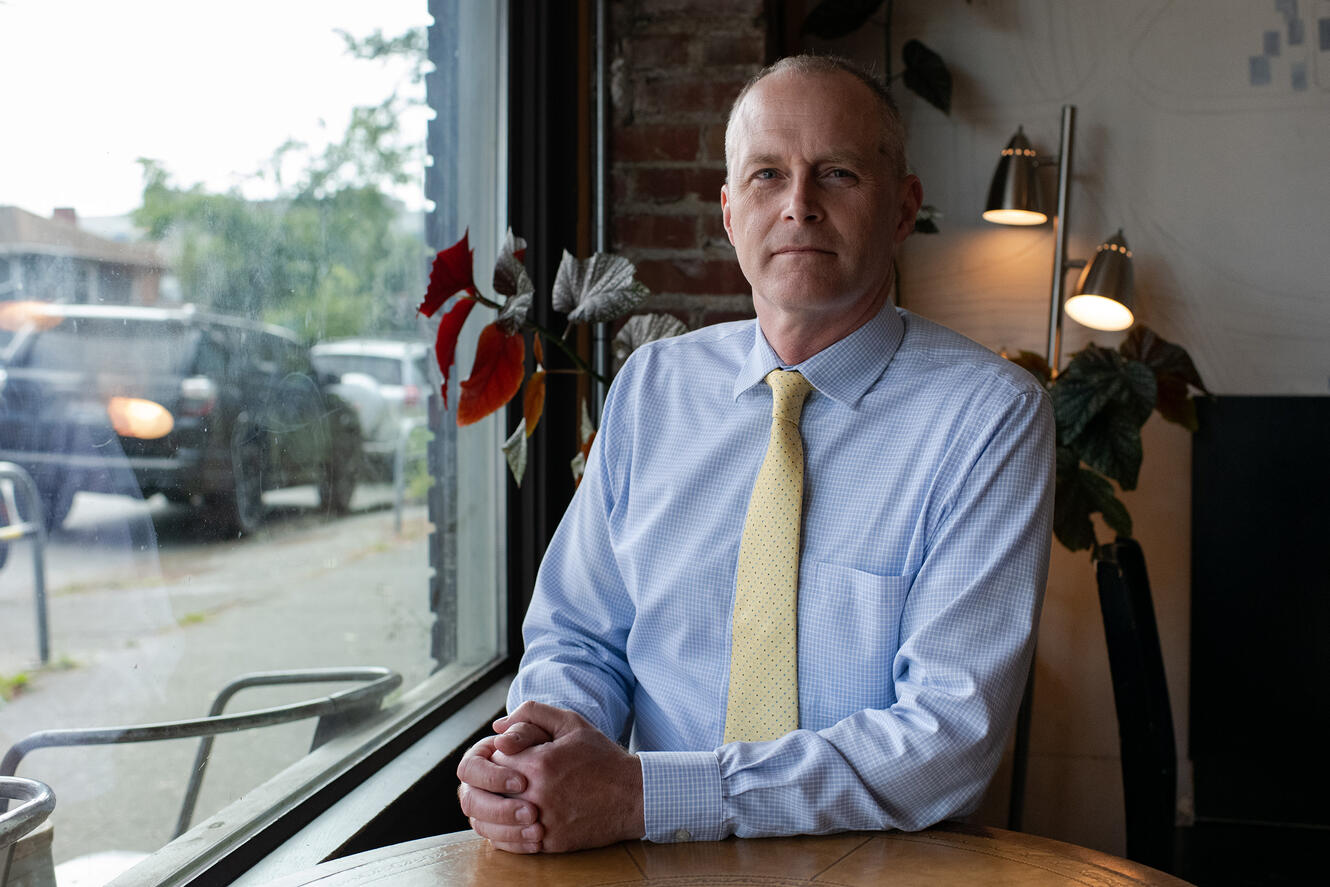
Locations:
{"points": [[801, 111]]}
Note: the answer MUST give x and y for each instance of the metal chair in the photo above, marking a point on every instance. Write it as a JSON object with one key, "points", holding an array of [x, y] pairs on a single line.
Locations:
{"points": [[336, 713], [38, 802]]}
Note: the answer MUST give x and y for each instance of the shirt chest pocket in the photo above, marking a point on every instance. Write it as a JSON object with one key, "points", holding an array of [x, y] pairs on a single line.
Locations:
{"points": [[849, 631]]}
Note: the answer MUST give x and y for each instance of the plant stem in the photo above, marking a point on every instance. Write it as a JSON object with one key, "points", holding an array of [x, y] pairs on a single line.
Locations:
{"points": [[542, 330]]}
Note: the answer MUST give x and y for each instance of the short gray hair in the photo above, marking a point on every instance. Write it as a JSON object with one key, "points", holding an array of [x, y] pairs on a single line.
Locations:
{"points": [[893, 130]]}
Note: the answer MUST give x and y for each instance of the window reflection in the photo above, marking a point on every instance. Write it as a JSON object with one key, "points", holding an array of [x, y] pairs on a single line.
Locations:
{"points": [[220, 386]]}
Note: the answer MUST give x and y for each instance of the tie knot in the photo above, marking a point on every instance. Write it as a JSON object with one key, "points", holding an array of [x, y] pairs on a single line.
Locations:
{"points": [[788, 390]]}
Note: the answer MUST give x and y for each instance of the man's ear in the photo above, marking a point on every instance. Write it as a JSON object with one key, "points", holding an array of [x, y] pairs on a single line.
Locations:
{"points": [[912, 197], [725, 212]]}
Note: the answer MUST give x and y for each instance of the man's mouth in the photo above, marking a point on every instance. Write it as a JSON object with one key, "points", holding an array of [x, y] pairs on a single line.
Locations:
{"points": [[803, 250]]}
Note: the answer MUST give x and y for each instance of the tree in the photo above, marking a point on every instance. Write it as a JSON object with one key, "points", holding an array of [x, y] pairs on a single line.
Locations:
{"points": [[326, 257]]}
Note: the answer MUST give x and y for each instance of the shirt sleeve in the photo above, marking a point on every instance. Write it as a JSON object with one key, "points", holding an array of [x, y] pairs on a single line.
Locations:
{"points": [[967, 637], [576, 628]]}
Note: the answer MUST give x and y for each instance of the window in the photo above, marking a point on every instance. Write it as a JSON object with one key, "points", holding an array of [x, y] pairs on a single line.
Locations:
{"points": [[281, 205]]}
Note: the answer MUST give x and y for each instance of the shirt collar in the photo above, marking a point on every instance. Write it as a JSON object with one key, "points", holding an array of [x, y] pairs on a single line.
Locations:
{"points": [[844, 370]]}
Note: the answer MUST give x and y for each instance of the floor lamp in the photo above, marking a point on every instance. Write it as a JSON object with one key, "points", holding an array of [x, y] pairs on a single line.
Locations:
{"points": [[1102, 299]]}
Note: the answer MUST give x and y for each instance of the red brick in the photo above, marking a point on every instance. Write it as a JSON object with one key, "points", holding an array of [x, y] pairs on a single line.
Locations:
{"points": [[705, 182], [710, 8], [713, 229], [710, 317], [668, 184], [687, 96], [658, 51], [735, 49], [713, 142], [646, 141], [656, 185], [656, 232], [692, 276]]}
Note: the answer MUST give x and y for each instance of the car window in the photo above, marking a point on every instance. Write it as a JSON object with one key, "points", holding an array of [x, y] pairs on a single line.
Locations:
{"points": [[215, 508], [111, 346], [384, 370]]}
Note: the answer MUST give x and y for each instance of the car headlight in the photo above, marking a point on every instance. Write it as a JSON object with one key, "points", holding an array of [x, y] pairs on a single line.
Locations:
{"points": [[135, 417]]}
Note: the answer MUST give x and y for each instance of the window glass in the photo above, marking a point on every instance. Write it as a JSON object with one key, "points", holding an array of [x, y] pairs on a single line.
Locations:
{"points": [[207, 193]]}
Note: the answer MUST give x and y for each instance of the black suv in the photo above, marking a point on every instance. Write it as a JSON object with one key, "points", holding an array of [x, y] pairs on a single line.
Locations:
{"points": [[205, 409]]}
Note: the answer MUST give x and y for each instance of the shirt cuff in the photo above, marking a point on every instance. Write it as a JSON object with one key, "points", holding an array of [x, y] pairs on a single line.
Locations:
{"points": [[681, 796]]}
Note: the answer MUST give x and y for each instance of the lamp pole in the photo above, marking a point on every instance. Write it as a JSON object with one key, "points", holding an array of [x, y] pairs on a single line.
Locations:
{"points": [[1060, 264]]}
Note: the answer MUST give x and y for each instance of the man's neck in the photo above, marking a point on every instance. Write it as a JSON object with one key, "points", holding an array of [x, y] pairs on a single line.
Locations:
{"points": [[795, 337]]}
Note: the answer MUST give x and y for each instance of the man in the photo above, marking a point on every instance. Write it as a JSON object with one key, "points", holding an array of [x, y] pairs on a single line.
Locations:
{"points": [[926, 497]]}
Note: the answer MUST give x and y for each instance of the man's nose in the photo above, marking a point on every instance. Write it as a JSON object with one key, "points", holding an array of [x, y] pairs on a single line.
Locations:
{"points": [[802, 203]]}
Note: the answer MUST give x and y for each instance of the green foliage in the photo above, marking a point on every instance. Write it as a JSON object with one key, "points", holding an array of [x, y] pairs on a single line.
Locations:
{"points": [[13, 685], [327, 256], [1100, 402]]}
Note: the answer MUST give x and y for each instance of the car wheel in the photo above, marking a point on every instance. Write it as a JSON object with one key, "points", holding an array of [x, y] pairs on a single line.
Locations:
{"points": [[55, 508], [240, 510], [341, 472], [4, 522]]}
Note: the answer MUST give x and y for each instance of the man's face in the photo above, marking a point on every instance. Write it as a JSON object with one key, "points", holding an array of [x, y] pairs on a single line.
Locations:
{"points": [[811, 205]]}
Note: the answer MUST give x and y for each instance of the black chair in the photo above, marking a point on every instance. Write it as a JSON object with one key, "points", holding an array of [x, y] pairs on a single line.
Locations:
{"points": [[1140, 692]]}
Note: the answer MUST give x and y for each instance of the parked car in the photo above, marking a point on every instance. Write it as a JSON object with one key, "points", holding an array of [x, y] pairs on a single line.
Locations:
{"points": [[206, 409], [386, 380]]}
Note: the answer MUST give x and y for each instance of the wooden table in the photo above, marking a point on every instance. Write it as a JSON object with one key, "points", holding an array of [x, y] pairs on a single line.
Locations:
{"points": [[944, 855]]}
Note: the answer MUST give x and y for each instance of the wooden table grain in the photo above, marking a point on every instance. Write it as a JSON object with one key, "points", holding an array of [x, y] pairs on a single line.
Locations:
{"points": [[949, 854]]}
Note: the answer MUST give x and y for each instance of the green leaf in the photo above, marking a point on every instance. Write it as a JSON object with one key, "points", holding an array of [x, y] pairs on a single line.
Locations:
{"points": [[1078, 494], [926, 75], [836, 18], [1099, 379], [1175, 374], [1111, 445], [1100, 403]]}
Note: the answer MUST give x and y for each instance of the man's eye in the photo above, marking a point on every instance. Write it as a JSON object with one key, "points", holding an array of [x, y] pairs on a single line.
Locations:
{"points": [[840, 174], [765, 174]]}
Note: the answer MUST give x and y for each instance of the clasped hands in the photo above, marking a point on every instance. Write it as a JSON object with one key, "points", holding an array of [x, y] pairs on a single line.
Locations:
{"points": [[549, 781]]}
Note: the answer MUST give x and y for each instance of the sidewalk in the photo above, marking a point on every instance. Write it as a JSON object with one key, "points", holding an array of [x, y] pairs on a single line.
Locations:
{"points": [[152, 636]]}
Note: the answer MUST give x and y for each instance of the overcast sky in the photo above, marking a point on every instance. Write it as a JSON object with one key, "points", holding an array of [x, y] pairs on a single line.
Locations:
{"points": [[209, 89]]}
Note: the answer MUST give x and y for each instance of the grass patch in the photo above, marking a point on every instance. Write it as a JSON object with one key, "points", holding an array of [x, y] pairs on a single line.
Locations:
{"points": [[13, 685], [194, 618]]}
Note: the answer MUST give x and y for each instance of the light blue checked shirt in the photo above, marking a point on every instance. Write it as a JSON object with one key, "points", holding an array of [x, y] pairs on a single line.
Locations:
{"points": [[927, 507]]}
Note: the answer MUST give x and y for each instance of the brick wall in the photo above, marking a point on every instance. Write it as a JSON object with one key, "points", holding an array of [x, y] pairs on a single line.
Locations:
{"points": [[676, 67]]}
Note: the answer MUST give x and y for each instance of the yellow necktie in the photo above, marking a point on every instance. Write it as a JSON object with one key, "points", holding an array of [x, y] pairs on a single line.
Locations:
{"points": [[764, 679]]}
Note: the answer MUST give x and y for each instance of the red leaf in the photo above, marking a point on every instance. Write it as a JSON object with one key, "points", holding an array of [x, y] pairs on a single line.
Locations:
{"points": [[451, 274], [533, 402], [495, 377], [445, 346]]}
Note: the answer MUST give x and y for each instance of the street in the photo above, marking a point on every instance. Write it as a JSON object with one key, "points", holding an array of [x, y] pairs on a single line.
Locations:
{"points": [[150, 616]]}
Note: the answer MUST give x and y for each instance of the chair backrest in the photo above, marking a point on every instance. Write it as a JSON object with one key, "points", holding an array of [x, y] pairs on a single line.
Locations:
{"points": [[1140, 692]]}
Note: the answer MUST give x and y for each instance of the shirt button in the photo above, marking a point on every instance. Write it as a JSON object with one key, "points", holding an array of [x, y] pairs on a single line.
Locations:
{"points": [[683, 835]]}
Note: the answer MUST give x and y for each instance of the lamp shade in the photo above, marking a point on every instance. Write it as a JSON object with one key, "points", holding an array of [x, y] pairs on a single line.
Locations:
{"points": [[1014, 197], [1103, 296]]}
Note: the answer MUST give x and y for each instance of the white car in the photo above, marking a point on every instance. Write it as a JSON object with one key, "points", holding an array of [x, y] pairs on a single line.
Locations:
{"points": [[387, 381]]}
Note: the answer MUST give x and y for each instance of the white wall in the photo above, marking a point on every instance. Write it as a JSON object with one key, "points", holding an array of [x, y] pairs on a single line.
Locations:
{"points": [[1222, 186]]}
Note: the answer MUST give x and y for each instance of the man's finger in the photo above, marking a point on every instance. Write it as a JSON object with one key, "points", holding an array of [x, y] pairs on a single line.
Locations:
{"points": [[519, 736], [554, 721], [506, 835], [484, 773], [495, 809]]}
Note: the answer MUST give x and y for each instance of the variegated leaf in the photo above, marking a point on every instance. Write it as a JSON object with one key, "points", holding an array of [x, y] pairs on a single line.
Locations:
{"points": [[514, 451], [596, 289], [508, 267], [642, 328], [518, 304]]}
